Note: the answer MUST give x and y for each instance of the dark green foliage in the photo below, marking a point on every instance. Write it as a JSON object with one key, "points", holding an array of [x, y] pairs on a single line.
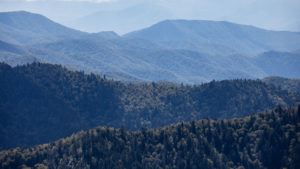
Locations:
{"points": [[42, 102], [266, 140]]}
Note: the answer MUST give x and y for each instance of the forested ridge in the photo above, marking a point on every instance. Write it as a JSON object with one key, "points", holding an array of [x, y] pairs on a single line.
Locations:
{"points": [[62, 106], [285, 83], [265, 140], [40, 103]]}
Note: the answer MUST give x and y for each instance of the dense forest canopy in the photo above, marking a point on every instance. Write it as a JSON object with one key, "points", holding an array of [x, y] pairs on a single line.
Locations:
{"points": [[43, 102], [60, 109], [285, 83], [265, 140]]}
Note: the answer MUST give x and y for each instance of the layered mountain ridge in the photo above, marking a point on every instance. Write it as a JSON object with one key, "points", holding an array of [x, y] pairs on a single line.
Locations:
{"points": [[265, 140], [177, 94], [218, 37], [178, 51], [43, 102]]}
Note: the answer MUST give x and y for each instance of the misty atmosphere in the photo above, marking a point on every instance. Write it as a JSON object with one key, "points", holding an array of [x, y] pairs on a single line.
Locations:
{"points": [[149, 84]]}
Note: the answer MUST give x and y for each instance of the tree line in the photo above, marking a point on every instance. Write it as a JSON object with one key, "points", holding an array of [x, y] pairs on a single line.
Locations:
{"points": [[40, 103], [265, 140]]}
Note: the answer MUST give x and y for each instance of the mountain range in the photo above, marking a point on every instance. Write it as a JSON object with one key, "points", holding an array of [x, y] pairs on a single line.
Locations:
{"points": [[266, 140], [43, 102], [218, 37], [177, 94], [174, 50]]}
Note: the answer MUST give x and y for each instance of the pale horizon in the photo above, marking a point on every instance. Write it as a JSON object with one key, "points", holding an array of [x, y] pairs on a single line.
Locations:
{"points": [[125, 16]]}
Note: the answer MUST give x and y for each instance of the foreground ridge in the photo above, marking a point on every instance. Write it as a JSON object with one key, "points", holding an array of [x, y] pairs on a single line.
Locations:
{"points": [[265, 140], [40, 103]]}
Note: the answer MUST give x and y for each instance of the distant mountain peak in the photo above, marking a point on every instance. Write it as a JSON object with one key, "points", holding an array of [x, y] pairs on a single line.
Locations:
{"points": [[10, 16], [218, 37], [22, 27]]}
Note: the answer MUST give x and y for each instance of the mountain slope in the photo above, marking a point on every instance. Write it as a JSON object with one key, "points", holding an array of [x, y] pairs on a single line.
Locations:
{"points": [[153, 64], [31, 38], [25, 28], [42, 102], [218, 37], [144, 60], [137, 60], [284, 64], [267, 141], [16, 55], [289, 84]]}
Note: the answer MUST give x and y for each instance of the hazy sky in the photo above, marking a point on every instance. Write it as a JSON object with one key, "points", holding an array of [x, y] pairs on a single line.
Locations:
{"points": [[268, 14]]}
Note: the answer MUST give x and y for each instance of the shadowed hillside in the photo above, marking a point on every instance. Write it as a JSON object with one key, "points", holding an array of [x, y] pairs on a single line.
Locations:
{"points": [[44, 102], [266, 140]]}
